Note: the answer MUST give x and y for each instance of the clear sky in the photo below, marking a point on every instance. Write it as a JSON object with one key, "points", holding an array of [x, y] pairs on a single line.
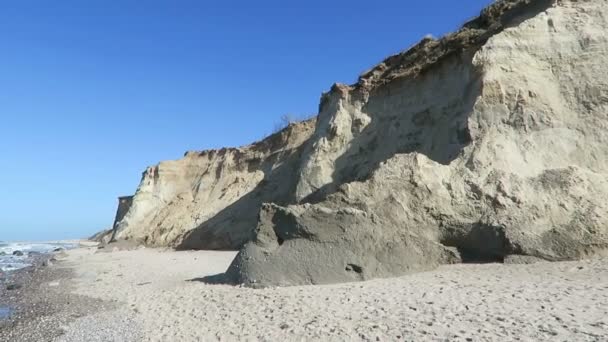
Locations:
{"points": [[92, 92]]}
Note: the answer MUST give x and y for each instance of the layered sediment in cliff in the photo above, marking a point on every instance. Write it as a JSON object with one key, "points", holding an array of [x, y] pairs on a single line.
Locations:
{"points": [[209, 199], [484, 144]]}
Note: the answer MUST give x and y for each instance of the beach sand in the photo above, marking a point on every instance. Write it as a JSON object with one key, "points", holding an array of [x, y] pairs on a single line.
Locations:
{"points": [[158, 298]]}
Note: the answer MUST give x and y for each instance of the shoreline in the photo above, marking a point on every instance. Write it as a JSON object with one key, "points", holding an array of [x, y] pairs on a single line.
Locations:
{"points": [[41, 301]]}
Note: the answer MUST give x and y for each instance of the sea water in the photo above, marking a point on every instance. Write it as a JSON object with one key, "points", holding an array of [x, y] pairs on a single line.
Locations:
{"points": [[5, 312], [10, 262]]}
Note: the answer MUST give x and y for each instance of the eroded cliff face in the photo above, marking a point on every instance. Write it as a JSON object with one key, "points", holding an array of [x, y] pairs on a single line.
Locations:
{"points": [[488, 143], [209, 199]]}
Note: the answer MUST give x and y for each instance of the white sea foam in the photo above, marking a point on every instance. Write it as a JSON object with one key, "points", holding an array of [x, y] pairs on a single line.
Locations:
{"points": [[10, 262]]}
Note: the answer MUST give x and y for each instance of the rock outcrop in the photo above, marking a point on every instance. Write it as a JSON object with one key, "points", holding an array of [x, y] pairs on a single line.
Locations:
{"points": [[102, 236], [489, 143], [109, 235], [124, 204]]}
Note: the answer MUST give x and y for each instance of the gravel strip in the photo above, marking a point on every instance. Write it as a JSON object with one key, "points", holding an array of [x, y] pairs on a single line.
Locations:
{"points": [[42, 305]]}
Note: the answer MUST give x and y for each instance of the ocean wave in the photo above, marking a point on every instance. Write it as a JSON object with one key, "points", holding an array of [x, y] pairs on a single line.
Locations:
{"points": [[40, 247], [10, 262], [6, 266]]}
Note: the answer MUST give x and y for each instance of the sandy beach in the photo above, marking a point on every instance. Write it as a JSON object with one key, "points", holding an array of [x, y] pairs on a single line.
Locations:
{"points": [[158, 295]]}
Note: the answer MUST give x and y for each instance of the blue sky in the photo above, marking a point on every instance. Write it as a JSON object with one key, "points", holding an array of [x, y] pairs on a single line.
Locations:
{"points": [[92, 92]]}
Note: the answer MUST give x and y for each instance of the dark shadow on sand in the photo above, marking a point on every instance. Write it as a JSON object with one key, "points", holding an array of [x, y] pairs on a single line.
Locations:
{"points": [[216, 279]]}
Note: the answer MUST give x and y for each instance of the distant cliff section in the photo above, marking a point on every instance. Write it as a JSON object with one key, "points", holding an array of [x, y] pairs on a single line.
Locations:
{"points": [[211, 199], [487, 144]]}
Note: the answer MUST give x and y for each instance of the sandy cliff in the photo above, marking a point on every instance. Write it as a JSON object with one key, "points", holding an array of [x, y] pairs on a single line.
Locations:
{"points": [[209, 199], [486, 144]]}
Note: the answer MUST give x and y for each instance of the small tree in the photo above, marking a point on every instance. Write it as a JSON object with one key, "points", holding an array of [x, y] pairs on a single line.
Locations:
{"points": [[284, 121]]}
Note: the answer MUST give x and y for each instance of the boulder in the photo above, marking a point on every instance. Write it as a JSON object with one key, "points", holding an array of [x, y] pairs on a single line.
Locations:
{"points": [[314, 244], [11, 287]]}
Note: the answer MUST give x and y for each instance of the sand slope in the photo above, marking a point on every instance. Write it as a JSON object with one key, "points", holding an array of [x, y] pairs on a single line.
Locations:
{"points": [[565, 301]]}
